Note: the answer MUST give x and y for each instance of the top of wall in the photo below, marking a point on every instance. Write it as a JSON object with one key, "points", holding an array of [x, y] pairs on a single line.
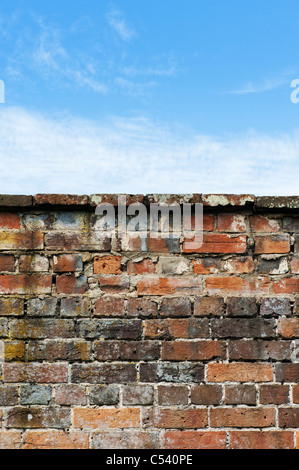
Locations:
{"points": [[222, 201]]}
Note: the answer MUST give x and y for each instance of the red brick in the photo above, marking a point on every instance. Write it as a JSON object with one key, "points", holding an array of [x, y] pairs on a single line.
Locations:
{"points": [[206, 306], [125, 439], [240, 394], [69, 394], [206, 266], [172, 395], [175, 307], [60, 200], [25, 284], [67, 263], [33, 263], [236, 284], [240, 265], [207, 222], [146, 266], [114, 284], [261, 440], [70, 284], [295, 393], [217, 243], [242, 417], [107, 264], [175, 418], [206, 394], [39, 373], [109, 307], [141, 307], [194, 440], [231, 223], [55, 440], [21, 240], [9, 221], [288, 327], [272, 244], [240, 372], [274, 394], [288, 417], [10, 440], [158, 329], [169, 286], [193, 350], [289, 285], [38, 417], [261, 223], [295, 265], [163, 245], [92, 418], [7, 263]]}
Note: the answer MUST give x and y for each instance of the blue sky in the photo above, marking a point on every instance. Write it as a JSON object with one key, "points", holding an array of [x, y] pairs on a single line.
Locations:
{"points": [[149, 96]]}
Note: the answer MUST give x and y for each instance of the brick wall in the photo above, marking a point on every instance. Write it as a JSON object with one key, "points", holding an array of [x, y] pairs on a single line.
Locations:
{"points": [[143, 343]]}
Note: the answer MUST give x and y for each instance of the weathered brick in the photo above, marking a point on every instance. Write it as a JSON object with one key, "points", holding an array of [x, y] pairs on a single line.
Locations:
{"points": [[295, 265], [67, 263], [240, 265], [206, 394], [25, 284], [38, 417], [64, 241], [288, 417], [39, 373], [60, 200], [169, 286], [141, 307], [295, 391], [288, 285], [35, 394], [206, 266], [104, 395], [272, 244], [33, 263], [206, 306], [175, 307], [163, 245], [138, 395], [261, 440], [125, 439], [288, 327], [8, 396], [51, 439], [171, 372], [291, 224], [9, 221], [14, 351], [108, 264], [274, 306], [7, 263], [126, 350], [231, 223], [243, 328], [242, 417], [92, 418], [287, 372], [109, 329], [274, 394], [240, 394], [42, 307], [234, 284], [109, 307], [146, 266], [10, 440], [103, 373], [193, 350], [70, 350], [172, 395], [174, 265], [223, 200], [241, 307], [255, 350], [21, 240], [272, 266], [70, 284], [171, 418], [261, 223], [41, 328], [239, 372], [218, 243], [114, 284], [176, 328], [11, 307], [37, 222], [69, 394], [194, 440], [7, 200]]}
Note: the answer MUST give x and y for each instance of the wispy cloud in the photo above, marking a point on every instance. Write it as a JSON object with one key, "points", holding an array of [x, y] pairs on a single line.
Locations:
{"points": [[117, 21], [262, 86], [40, 154]]}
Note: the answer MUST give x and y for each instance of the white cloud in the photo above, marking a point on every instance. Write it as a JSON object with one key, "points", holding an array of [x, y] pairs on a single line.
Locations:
{"points": [[259, 87], [117, 21], [70, 155]]}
